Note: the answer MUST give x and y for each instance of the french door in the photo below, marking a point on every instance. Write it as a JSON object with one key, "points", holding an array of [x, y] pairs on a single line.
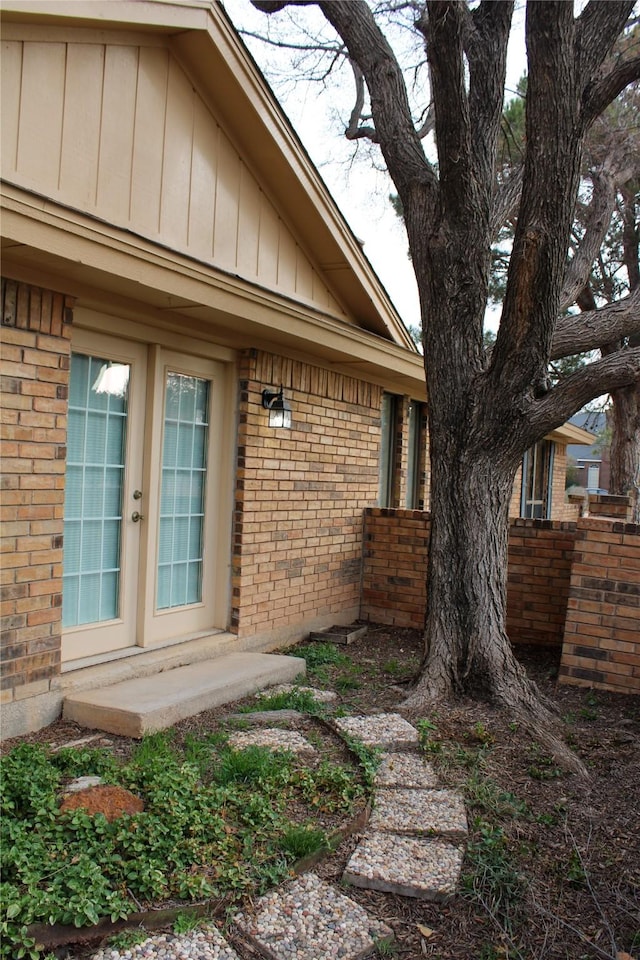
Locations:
{"points": [[142, 481]]}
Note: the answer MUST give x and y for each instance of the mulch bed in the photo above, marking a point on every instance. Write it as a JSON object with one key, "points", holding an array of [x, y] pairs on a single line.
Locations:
{"points": [[576, 849]]}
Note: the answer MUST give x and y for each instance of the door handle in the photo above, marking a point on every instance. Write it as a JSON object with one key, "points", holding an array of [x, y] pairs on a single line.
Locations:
{"points": [[136, 517]]}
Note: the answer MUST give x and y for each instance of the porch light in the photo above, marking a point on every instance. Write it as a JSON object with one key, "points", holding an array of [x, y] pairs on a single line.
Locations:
{"points": [[279, 408]]}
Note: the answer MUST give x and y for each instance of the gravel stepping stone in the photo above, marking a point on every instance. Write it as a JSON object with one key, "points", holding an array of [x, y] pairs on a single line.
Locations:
{"points": [[273, 738], [407, 866], [320, 696], [411, 811], [310, 920], [203, 944], [387, 730], [405, 770]]}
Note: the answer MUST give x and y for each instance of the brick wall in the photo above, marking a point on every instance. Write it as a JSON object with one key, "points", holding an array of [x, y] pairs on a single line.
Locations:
{"points": [[395, 568], [35, 334], [602, 635], [540, 556], [300, 494]]}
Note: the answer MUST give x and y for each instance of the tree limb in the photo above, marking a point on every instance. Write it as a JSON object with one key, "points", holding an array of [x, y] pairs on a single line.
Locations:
{"points": [[571, 393], [506, 200], [598, 97], [590, 330], [355, 130]]}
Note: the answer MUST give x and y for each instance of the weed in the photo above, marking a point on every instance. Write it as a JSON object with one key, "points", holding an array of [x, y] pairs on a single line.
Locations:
{"points": [[347, 682], [301, 700], [486, 795], [543, 766], [481, 734], [493, 879], [251, 765], [386, 947], [393, 667], [298, 841], [186, 921], [154, 746], [575, 871], [322, 655], [127, 939]]}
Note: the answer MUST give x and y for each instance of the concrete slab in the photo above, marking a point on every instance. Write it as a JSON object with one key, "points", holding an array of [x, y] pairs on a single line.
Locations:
{"points": [[135, 707], [273, 739], [309, 919], [405, 770], [385, 730], [433, 813], [407, 866]]}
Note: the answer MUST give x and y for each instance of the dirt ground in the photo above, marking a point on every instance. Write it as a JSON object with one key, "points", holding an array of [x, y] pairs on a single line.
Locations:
{"points": [[553, 863]]}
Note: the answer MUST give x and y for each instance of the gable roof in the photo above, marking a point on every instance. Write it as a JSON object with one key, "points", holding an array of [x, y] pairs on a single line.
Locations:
{"points": [[202, 39]]}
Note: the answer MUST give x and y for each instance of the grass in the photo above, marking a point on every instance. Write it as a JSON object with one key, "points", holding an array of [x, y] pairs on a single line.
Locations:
{"points": [[217, 823]]}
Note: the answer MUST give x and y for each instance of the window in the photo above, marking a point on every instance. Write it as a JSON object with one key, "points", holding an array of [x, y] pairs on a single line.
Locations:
{"points": [[415, 461], [537, 468], [388, 449]]}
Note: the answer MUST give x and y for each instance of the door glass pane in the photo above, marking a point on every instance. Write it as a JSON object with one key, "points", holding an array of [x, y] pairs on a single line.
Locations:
{"points": [[93, 490], [184, 458]]}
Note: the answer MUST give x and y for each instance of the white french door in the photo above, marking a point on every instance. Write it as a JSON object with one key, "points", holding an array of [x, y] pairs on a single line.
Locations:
{"points": [[140, 527]]}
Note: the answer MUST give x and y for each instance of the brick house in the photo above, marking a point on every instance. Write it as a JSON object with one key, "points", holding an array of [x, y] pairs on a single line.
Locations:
{"points": [[204, 383]]}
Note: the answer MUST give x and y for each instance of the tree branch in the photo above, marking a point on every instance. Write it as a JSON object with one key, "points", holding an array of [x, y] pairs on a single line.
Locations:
{"points": [[355, 130], [600, 95], [506, 200], [590, 330], [571, 393]]}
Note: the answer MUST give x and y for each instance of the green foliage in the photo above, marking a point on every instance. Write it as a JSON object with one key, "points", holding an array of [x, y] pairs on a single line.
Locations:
{"points": [[492, 876], [185, 922], [127, 939], [300, 841], [301, 700], [206, 830], [252, 765], [321, 655], [543, 766]]}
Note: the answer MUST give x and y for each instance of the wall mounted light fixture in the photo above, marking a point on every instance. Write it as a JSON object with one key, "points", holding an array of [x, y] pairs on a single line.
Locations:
{"points": [[279, 408]]}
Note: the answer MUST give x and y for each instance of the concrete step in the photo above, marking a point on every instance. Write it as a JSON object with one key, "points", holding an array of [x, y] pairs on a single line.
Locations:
{"points": [[134, 707]]}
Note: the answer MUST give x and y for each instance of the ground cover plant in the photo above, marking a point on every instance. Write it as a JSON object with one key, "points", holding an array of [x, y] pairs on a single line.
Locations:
{"points": [[217, 823], [552, 866]]}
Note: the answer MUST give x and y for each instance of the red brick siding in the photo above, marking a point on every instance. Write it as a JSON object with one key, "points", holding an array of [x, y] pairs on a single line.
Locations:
{"points": [[297, 542], [36, 332], [602, 634]]}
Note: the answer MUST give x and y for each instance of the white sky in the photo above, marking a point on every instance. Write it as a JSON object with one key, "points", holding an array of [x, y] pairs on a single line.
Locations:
{"points": [[360, 191]]}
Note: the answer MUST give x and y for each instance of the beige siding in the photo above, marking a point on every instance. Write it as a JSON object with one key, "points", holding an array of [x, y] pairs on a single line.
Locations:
{"points": [[118, 130]]}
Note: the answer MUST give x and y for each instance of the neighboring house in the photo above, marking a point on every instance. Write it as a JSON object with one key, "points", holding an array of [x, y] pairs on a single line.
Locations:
{"points": [[539, 490], [204, 383], [592, 462]]}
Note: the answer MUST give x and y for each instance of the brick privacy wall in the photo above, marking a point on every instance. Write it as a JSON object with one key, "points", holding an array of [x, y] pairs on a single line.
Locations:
{"points": [[395, 569], [300, 493], [35, 334], [602, 634], [540, 557]]}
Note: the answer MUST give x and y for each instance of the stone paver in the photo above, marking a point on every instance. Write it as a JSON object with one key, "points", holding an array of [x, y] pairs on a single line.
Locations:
{"points": [[320, 696], [386, 730], [408, 866], [420, 812], [206, 943], [404, 770], [309, 919], [274, 738]]}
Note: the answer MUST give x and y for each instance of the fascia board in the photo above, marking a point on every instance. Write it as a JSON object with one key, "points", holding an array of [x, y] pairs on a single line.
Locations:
{"points": [[80, 250], [570, 433], [207, 43]]}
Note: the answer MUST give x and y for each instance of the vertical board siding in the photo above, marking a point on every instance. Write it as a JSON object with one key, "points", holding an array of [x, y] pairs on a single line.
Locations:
{"points": [[41, 108], [10, 95], [178, 148], [81, 123], [148, 143], [119, 131]]}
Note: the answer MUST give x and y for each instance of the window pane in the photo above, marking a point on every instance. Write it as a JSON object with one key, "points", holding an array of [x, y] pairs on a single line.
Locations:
{"points": [[184, 454], [98, 395]]}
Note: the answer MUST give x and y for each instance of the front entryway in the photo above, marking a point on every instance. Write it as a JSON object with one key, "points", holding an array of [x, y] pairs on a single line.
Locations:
{"points": [[141, 492]]}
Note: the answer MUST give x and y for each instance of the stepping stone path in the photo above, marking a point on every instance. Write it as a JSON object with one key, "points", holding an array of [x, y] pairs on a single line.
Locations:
{"points": [[413, 847], [320, 696]]}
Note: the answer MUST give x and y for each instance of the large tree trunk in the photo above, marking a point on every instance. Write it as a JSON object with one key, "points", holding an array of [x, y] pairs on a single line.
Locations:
{"points": [[625, 445]]}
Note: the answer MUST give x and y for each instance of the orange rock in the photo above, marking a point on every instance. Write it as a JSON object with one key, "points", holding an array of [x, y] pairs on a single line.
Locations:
{"points": [[112, 801]]}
